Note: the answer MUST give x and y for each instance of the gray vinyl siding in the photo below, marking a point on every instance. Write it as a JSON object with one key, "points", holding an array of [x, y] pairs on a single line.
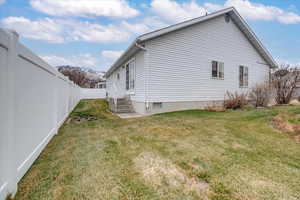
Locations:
{"points": [[180, 62], [139, 89]]}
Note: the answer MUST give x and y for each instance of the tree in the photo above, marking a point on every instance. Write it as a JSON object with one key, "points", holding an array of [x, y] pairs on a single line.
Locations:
{"points": [[284, 81], [85, 79]]}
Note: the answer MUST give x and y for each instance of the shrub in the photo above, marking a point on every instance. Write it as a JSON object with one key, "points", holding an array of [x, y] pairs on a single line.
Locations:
{"points": [[235, 100], [260, 94], [285, 81]]}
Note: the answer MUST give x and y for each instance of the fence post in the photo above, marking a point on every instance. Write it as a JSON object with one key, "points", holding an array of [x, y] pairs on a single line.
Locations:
{"points": [[55, 108], [11, 170]]}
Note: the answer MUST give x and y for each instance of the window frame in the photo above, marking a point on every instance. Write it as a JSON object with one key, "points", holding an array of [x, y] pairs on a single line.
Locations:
{"points": [[130, 75], [220, 73], [127, 76], [243, 76]]}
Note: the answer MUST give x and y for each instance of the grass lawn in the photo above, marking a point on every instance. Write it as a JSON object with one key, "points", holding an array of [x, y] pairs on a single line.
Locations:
{"points": [[181, 155]]}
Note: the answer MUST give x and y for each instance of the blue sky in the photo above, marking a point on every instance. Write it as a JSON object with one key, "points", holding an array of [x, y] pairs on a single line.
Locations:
{"points": [[93, 33]]}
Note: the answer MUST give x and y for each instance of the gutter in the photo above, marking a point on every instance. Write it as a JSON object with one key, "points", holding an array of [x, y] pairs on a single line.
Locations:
{"points": [[112, 68], [140, 46]]}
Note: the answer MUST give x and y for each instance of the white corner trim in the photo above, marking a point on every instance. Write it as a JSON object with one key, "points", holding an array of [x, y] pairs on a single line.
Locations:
{"points": [[3, 192]]}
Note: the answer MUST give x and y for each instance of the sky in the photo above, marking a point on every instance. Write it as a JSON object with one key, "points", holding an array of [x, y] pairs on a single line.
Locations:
{"points": [[94, 33]]}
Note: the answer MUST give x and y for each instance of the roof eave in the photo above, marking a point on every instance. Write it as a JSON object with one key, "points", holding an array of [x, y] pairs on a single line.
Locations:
{"points": [[122, 58]]}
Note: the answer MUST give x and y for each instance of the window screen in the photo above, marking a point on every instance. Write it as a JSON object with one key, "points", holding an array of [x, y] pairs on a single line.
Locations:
{"points": [[127, 76], [217, 69], [243, 76], [130, 75]]}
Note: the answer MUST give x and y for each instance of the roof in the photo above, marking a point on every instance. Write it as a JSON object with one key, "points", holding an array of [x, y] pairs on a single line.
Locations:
{"points": [[232, 12]]}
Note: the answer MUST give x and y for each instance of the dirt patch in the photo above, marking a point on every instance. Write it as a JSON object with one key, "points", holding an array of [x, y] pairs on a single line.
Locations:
{"points": [[288, 123], [81, 119], [215, 108], [160, 172]]}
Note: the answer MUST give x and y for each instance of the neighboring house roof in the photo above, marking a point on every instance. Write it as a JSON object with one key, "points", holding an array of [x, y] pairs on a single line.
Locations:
{"points": [[232, 12]]}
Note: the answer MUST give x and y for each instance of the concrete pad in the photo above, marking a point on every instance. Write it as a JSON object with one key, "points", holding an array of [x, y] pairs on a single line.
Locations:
{"points": [[129, 115]]}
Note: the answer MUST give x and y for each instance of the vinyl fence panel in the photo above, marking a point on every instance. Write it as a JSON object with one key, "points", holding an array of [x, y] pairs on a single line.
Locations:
{"points": [[93, 93], [35, 101]]}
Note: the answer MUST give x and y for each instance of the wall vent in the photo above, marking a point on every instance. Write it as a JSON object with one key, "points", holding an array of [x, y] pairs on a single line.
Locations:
{"points": [[157, 105], [227, 18]]}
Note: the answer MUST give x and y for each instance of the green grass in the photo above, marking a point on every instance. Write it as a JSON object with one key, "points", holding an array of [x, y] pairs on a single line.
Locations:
{"points": [[190, 154]]}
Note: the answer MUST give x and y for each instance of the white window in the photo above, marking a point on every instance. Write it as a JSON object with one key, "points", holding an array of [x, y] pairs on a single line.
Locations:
{"points": [[130, 75], [243, 76], [217, 70]]}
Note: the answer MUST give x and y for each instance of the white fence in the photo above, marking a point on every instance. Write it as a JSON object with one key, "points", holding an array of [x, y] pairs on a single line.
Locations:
{"points": [[35, 101], [93, 93]]}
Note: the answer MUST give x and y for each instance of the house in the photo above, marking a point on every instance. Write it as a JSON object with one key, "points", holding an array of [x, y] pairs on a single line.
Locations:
{"points": [[101, 84], [188, 65]]}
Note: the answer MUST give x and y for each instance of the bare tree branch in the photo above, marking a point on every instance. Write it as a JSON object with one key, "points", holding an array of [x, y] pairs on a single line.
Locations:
{"points": [[284, 81]]}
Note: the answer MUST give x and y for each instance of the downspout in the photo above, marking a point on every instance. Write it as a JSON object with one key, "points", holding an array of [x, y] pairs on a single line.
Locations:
{"points": [[146, 72]]}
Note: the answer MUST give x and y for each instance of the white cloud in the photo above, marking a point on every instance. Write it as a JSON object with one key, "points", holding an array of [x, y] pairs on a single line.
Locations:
{"points": [[144, 25], [211, 7], [154, 22], [101, 62], [81, 60], [55, 30], [289, 18], [46, 29], [137, 28], [58, 31], [173, 11], [85, 31], [2, 1], [257, 11], [111, 55], [86, 8], [108, 57]]}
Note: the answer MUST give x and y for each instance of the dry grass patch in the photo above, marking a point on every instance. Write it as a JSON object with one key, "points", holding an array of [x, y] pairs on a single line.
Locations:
{"points": [[161, 172], [259, 187], [167, 131], [288, 123]]}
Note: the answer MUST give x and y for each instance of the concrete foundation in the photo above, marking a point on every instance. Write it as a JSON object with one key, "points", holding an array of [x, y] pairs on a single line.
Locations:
{"points": [[140, 107]]}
